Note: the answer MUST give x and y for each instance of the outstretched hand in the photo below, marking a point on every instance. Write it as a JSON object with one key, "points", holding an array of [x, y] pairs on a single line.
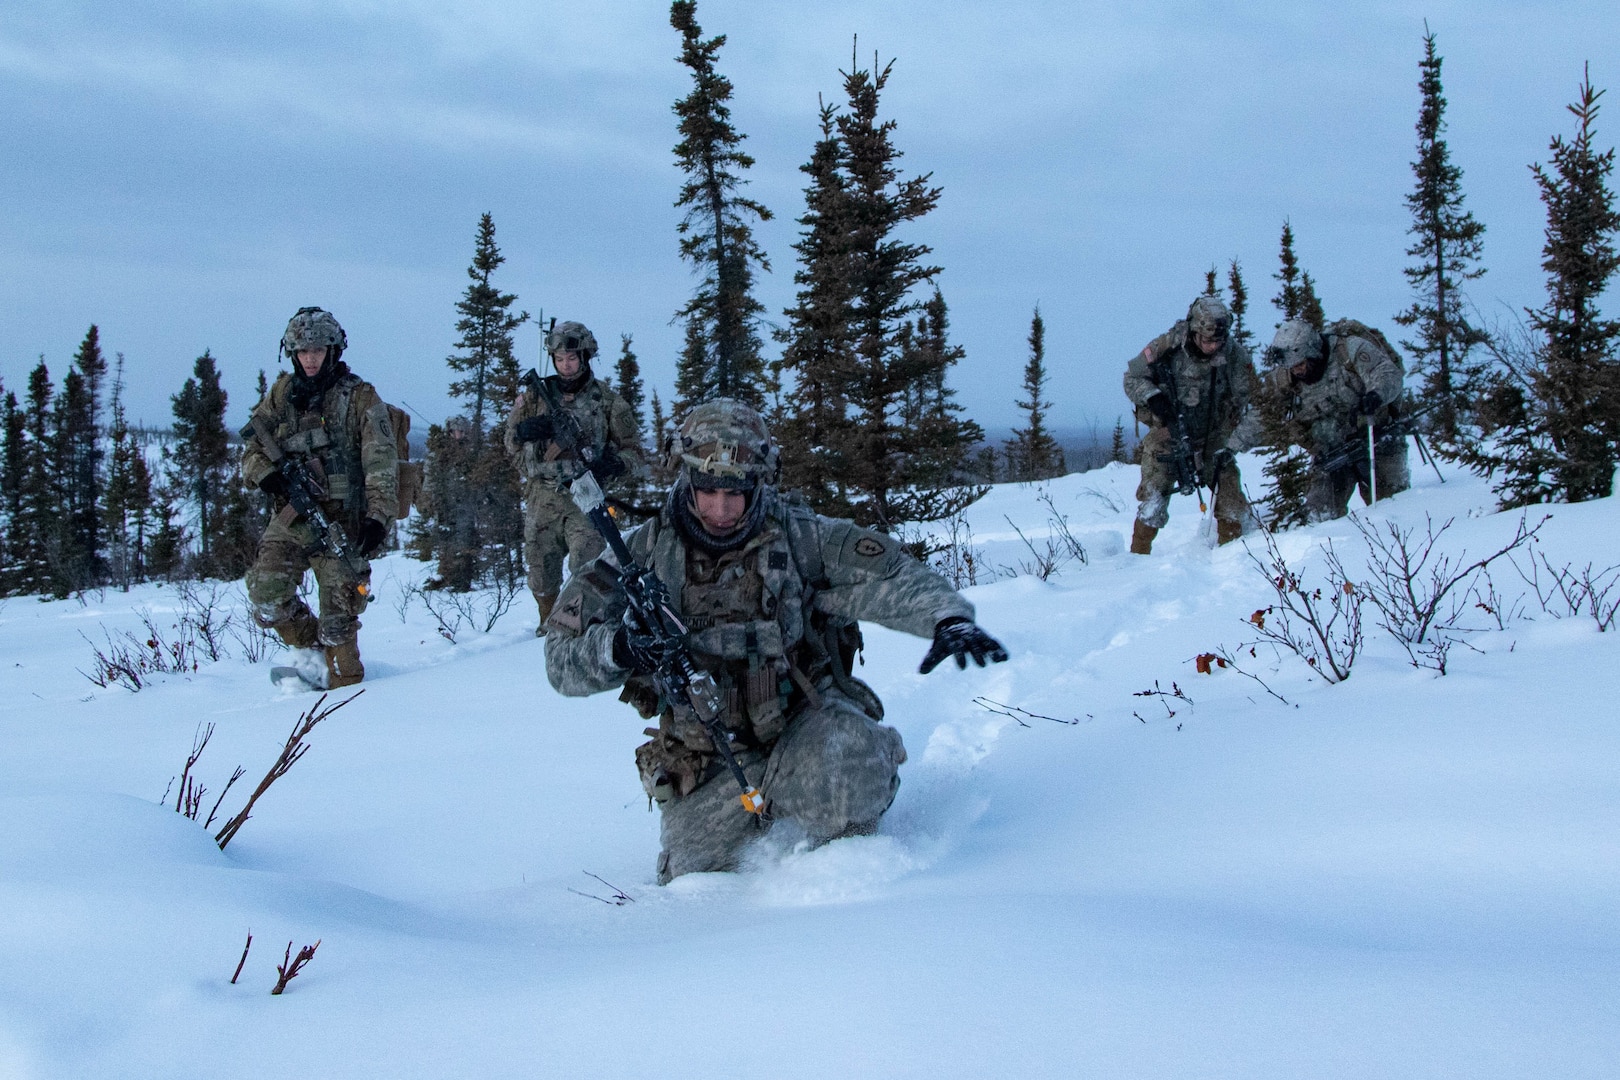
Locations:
{"points": [[962, 638]]}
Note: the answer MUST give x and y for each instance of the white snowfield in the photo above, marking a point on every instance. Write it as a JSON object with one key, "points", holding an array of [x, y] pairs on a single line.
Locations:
{"points": [[1403, 875]]}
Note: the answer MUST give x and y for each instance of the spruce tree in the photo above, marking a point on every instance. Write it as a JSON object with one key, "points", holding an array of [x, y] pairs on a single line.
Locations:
{"points": [[1116, 449], [938, 440], [485, 354], [1287, 467], [627, 381], [1288, 299], [1210, 288], [1032, 453], [1447, 243], [77, 457], [35, 538], [1561, 417], [203, 468], [127, 497], [1310, 308], [1239, 305], [721, 357]]}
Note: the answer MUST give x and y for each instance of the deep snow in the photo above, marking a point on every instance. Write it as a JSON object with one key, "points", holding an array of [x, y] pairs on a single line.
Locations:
{"points": [[1403, 875]]}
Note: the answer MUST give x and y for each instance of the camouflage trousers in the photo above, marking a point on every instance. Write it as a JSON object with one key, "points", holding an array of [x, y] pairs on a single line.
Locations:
{"points": [[274, 579], [554, 529], [1159, 482], [833, 773], [1329, 493]]}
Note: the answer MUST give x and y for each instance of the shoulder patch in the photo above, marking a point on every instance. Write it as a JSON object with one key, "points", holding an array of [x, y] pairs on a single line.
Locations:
{"points": [[778, 560], [868, 547], [567, 614]]}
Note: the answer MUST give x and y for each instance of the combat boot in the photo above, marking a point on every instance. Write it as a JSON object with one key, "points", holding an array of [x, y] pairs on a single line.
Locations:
{"points": [[302, 631], [343, 666], [1142, 538], [545, 603], [1227, 531]]}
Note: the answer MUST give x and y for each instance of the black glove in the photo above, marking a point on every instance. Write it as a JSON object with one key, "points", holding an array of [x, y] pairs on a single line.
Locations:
{"points": [[609, 465], [1159, 405], [1224, 459], [1370, 401], [961, 637], [371, 536], [641, 653], [274, 484], [534, 429]]}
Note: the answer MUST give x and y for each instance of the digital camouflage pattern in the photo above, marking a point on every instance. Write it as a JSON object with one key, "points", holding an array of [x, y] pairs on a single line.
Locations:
{"points": [[347, 438], [775, 622], [554, 529], [1215, 394], [1325, 413], [312, 328]]}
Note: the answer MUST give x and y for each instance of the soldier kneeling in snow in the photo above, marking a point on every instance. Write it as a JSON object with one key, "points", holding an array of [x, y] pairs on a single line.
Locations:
{"points": [[770, 593]]}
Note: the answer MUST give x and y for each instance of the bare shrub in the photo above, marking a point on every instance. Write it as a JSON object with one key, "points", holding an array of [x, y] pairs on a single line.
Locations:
{"points": [[954, 556], [1565, 592], [291, 752], [1319, 624], [130, 659], [291, 965], [1422, 593], [479, 609]]}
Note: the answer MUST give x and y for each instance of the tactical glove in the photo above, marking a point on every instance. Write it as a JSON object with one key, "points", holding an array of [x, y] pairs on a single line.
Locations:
{"points": [[371, 536], [961, 638], [1159, 405], [1370, 401], [534, 429], [274, 484], [1224, 458], [640, 653], [608, 466]]}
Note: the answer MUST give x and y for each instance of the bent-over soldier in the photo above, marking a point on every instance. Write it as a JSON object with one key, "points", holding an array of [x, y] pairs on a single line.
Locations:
{"points": [[770, 593]]}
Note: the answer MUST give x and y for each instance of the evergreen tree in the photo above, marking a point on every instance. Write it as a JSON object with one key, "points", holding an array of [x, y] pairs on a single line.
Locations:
{"points": [[1239, 305], [34, 536], [627, 377], [76, 464], [859, 364], [1560, 418], [1447, 242], [1287, 300], [1310, 308], [818, 340], [1210, 288], [127, 497], [485, 353], [1287, 467], [1116, 449], [721, 357], [1032, 453], [204, 469]]}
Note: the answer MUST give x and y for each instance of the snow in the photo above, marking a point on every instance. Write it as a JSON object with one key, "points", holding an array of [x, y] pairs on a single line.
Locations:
{"points": [[1405, 875]]}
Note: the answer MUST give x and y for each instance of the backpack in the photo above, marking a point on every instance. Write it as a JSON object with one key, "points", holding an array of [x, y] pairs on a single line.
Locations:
{"points": [[1355, 328], [410, 472]]}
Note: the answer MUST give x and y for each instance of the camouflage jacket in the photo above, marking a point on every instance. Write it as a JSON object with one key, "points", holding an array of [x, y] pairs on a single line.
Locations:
{"points": [[604, 418], [768, 606], [1214, 392], [351, 437], [1324, 414]]}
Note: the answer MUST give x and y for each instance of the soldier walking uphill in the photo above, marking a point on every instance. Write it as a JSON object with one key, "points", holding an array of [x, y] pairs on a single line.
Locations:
{"points": [[326, 422], [769, 593], [1193, 379], [1334, 385], [553, 527]]}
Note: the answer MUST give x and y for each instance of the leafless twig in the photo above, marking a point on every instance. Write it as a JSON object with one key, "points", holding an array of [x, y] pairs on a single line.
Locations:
{"points": [[290, 753], [1013, 712], [291, 965], [618, 899], [238, 973]]}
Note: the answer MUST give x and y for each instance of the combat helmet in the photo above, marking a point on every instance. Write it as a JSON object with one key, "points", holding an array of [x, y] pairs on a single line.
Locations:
{"points": [[1299, 343], [571, 337], [1210, 317], [722, 444], [311, 328]]}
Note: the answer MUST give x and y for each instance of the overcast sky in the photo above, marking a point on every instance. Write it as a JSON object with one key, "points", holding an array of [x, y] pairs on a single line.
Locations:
{"points": [[187, 175]]}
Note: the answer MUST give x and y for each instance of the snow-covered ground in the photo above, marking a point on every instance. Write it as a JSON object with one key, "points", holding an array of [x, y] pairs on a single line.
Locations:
{"points": [[1404, 875]]}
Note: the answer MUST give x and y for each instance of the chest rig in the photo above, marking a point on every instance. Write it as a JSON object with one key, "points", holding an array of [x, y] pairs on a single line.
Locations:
{"points": [[1203, 388], [588, 408], [322, 437]]}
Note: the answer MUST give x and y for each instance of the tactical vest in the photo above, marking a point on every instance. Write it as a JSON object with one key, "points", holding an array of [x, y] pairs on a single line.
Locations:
{"points": [[589, 408], [323, 437]]}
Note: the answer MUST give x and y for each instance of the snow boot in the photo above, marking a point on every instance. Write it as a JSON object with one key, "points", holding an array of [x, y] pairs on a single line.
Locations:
{"points": [[343, 666], [545, 604], [1227, 531], [1142, 538], [305, 670], [302, 631]]}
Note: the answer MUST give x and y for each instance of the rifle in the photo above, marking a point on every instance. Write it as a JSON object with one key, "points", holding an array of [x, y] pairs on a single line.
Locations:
{"points": [[1357, 452], [565, 430], [1181, 456], [678, 678], [304, 493]]}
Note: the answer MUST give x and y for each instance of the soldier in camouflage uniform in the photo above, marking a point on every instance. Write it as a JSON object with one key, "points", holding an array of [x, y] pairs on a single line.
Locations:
{"points": [[321, 412], [1333, 384], [553, 527], [770, 592], [1195, 369]]}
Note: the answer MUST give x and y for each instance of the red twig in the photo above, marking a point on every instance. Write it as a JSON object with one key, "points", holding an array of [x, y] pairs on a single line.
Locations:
{"points": [[290, 753], [242, 961], [291, 965]]}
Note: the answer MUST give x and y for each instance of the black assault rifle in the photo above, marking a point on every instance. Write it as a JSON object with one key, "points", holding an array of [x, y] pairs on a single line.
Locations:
{"points": [[678, 678], [1181, 457], [1352, 453], [304, 493]]}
